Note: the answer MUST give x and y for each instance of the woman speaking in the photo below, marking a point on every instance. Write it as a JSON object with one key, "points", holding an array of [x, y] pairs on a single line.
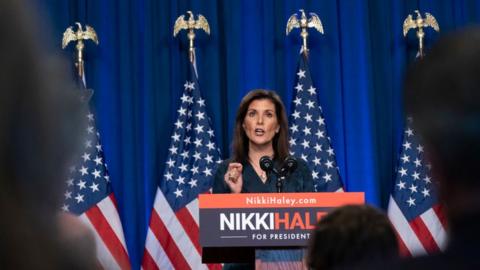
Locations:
{"points": [[261, 129]]}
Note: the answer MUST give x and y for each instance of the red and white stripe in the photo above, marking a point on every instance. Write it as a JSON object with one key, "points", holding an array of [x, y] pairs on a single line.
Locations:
{"points": [[104, 221], [173, 237], [423, 235]]}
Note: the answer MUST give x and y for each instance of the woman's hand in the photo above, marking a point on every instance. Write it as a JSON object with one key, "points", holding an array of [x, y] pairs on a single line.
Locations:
{"points": [[233, 177]]}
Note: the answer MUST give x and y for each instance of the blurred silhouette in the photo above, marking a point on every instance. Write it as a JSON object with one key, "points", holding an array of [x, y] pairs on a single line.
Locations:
{"points": [[349, 236], [40, 126], [442, 93]]}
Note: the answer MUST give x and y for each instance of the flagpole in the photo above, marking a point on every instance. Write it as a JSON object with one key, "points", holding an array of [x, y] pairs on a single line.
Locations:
{"points": [[419, 23], [190, 165], [95, 202], [79, 36], [304, 23], [407, 205], [190, 25]]}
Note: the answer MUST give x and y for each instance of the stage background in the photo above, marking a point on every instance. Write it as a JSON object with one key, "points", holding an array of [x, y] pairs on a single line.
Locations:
{"points": [[138, 71]]}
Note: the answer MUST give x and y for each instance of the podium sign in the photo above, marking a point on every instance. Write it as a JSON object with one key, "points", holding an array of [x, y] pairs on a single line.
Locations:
{"points": [[266, 219]]}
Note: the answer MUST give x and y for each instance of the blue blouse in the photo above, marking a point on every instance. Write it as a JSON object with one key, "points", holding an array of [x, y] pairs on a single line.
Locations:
{"points": [[299, 181]]}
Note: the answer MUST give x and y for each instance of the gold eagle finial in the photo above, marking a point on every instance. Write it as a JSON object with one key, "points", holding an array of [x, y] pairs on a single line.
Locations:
{"points": [[79, 36], [303, 23], [419, 23], [191, 24]]}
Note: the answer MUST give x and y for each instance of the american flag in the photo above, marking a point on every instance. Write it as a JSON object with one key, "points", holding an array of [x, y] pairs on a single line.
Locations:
{"points": [[308, 134], [173, 235], [89, 195], [414, 209]]}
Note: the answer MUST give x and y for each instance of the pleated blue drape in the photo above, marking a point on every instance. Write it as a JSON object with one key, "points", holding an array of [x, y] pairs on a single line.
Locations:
{"points": [[138, 70]]}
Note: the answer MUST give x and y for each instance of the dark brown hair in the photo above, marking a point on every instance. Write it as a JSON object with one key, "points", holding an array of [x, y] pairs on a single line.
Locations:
{"points": [[240, 139], [352, 235]]}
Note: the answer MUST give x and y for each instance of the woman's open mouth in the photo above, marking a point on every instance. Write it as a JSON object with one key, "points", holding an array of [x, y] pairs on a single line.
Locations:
{"points": [[259, 131]]}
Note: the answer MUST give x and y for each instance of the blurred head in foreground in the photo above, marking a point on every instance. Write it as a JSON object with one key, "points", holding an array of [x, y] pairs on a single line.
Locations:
{"points": [[351, 235], [442, 94], [40, 119]]}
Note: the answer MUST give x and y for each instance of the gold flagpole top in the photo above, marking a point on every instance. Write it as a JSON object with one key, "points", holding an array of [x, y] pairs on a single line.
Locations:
{"points": [[303, 23], [419, 23], [191, 24], [80, 35]]}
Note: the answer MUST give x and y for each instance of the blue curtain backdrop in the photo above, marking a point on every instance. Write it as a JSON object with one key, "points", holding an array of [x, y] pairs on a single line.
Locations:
{"points": [[138, 72]]}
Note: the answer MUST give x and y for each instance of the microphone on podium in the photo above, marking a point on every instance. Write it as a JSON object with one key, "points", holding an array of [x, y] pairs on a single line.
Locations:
{"points": [[266, 164], [288, 167]]}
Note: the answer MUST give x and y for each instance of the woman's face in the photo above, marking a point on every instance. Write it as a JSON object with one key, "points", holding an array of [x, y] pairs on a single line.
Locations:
{"points": [[261, 123]]}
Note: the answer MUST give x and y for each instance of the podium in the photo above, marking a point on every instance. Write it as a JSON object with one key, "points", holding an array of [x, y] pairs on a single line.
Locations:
{"points": [[270, 229]]}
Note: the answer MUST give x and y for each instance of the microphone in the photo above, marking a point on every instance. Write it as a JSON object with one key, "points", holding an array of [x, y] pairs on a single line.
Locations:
{"points": [[289, 165], [266, 164]]}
